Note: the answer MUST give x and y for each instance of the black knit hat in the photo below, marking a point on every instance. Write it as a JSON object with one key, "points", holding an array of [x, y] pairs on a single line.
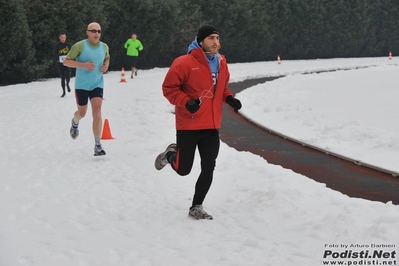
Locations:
{"points": [[205, 31]]}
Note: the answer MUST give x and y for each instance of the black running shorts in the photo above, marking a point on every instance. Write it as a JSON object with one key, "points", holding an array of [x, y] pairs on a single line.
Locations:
{"points": [[132, 61], [83, 96]]}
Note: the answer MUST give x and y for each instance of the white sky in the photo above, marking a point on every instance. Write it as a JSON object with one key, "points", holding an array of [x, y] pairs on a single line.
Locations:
{"points": [[63, 206]]}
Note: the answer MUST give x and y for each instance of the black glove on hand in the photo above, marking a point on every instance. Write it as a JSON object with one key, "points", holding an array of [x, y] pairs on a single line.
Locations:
{"points": [[193, 105], [233, 102]]}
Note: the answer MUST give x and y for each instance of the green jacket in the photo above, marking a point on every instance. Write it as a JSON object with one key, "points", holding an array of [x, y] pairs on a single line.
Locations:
{"points": [[133, 47]]}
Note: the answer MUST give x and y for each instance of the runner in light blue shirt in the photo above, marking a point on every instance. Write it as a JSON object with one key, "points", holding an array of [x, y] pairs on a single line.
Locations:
{"points": [[91, 58]]}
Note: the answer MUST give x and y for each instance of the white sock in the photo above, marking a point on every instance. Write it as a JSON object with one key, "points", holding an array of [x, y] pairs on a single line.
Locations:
{"points": [[97, 139]]}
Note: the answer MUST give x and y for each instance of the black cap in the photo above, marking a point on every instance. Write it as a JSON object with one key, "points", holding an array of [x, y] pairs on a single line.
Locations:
{"points": [[205, 31]]}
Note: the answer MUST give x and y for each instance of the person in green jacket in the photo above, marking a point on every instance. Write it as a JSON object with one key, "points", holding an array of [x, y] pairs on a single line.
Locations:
{"points": [[133, 47]]}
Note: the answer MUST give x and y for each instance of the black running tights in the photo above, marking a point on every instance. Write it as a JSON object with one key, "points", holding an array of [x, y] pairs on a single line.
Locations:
{"points": [[208, 144], [65, 75]]}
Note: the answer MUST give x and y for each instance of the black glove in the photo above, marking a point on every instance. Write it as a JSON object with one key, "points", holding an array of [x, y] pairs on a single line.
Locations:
{"points": [[233, 102], [193, 105]]}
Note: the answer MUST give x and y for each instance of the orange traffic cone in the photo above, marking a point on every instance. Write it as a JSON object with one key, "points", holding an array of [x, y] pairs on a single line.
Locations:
{"points": [[278, 59], [390, 55], [106, 131], [123, 75]]}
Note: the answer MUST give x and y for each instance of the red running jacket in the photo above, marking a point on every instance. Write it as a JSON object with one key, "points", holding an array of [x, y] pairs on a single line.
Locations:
{"points": [[190, 77]]}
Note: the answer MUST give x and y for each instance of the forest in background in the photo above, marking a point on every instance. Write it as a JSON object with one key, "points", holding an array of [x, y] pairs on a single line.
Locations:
{"points": [[250, 30]]}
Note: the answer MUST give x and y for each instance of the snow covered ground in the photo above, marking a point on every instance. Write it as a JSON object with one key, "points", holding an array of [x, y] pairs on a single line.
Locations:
{"points": [[63, 206], [352, 113]]}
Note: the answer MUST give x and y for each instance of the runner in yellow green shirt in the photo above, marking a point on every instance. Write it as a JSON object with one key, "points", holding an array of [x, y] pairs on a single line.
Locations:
{"points": [[133, 47]]}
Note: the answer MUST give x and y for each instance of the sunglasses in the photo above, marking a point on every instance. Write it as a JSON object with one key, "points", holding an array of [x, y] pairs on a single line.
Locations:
{"points": [[95, 31]]}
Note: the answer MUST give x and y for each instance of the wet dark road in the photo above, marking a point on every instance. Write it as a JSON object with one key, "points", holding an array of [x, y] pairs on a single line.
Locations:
{"points": [[338, 174]]}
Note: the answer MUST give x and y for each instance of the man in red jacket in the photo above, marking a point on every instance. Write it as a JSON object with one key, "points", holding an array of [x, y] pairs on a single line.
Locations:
{"points": [[197, 84]]}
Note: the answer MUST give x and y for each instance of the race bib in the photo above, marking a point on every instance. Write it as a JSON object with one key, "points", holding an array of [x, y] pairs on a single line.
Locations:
{"points": [[62, 58], [215, 78]]}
